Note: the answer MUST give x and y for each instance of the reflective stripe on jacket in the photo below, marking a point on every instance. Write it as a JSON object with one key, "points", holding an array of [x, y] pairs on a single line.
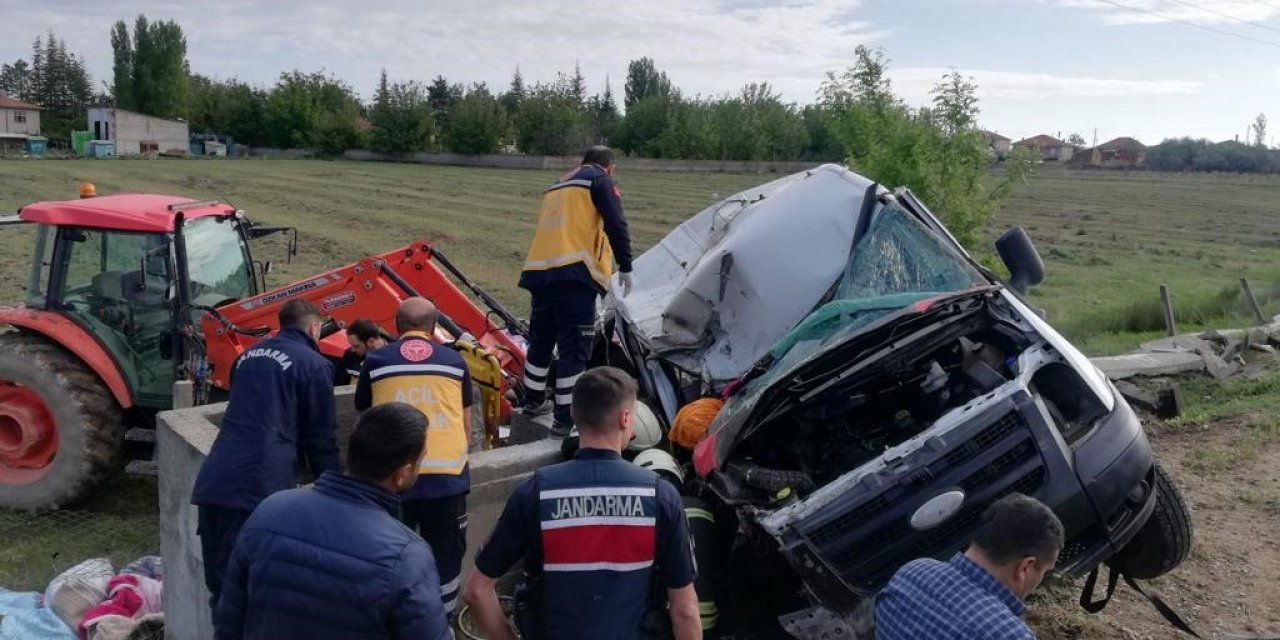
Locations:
{"points": [[433, 378], [571, 230]]}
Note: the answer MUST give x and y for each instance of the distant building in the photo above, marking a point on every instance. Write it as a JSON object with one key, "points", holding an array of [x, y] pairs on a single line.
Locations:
{"points": [[1048, 147], [1121, 153], [136, 133], [998, 144], [18, 117]]}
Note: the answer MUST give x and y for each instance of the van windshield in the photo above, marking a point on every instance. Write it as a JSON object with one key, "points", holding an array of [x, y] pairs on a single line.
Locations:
{"points": [[897, 263]]}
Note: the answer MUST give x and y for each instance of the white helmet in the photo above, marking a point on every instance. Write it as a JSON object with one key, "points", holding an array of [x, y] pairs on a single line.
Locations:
{"points": [[648, 429], [660, 462]]}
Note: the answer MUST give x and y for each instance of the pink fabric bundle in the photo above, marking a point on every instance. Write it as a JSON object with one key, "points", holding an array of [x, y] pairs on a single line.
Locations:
{"points": [[129, 596]]}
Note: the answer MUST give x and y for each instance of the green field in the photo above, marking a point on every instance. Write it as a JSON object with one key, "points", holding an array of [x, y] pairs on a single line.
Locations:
{"points": [[1109, 239]]}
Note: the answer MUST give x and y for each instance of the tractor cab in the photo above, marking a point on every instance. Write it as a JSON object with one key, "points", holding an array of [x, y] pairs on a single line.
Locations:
{"points": [[135, 272]]}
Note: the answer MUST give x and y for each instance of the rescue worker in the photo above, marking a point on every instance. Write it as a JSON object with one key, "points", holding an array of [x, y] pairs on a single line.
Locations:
{"points": [[594, 532], [581, 231], [280, 411], [363, 336], [434, 379], [333, 561]]}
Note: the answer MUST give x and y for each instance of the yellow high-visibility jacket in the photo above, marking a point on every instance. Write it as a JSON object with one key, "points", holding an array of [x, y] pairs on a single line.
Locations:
{"points": [[581, 230], [434, 379]]}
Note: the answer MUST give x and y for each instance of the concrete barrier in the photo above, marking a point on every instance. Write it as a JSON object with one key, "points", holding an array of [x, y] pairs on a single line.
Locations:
{"points": [[184, 437], [561, 163]]}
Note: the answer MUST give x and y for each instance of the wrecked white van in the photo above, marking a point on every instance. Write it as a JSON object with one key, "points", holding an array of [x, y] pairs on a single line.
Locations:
{"points": [[881, 389]]}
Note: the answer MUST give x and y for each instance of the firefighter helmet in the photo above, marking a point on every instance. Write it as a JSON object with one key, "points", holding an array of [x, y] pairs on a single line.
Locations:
{"points": [[648, 429], [661, 463]]}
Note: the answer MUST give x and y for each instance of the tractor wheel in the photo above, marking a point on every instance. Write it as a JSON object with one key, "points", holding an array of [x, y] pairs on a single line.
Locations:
{"points": [[1165, 540], [60, 428]]}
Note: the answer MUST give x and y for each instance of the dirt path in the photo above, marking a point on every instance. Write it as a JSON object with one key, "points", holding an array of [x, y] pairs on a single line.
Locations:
{"points": [[1229, 472]]}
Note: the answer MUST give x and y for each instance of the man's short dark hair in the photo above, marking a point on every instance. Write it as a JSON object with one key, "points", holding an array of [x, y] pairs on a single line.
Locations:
{"points": [[599, 395], [298, 314], [387, 437], [598, 154], [365, 330], [1017, 526]]}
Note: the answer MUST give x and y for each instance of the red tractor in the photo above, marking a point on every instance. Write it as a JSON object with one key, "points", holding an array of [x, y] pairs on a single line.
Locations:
{"points": [[130, 293]]}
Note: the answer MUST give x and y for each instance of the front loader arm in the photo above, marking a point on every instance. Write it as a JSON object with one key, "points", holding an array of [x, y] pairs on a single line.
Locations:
{"points": [[371, 288]]}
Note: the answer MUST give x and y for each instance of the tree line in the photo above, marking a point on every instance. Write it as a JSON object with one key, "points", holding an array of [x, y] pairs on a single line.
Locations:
{"points": [[1201, 155], [937, 151], [54, 79]]}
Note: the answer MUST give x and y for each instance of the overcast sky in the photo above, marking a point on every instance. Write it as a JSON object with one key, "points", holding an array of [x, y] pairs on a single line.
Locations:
{"points": [[1145, 68]]}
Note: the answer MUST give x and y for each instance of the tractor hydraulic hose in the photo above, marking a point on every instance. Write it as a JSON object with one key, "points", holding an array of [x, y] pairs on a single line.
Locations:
{"points": [[445, 321], [513, 323], [259, 332]]}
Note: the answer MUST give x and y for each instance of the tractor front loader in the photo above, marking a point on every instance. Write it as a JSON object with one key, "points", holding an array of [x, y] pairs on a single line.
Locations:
{"points": [[129, 293]]}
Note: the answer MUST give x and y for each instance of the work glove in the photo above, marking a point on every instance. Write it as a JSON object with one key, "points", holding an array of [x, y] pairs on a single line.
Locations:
{"points": [[624, 281]]}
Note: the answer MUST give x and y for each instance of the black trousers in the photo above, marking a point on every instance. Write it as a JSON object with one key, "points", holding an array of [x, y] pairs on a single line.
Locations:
{"points": [[563, 319], [442, 522], [218, 528]]}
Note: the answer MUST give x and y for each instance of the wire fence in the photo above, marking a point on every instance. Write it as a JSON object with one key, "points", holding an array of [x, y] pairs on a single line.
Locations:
{"points": [[36, 547]]}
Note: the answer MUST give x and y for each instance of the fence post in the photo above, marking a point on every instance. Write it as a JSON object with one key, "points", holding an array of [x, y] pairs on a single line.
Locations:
{"points": [[1165, 301], [1253, 301]]}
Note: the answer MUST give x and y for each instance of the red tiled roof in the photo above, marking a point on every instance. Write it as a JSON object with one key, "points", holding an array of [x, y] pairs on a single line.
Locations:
{"points": [[9, 103], [1122, 144], [1042, 140]]}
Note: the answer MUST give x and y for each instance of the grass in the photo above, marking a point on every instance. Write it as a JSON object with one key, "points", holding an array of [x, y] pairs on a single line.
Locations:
{"points": [[1251, 401], [1109, 239], [121, 522], [482, 218], [1198, 233]]}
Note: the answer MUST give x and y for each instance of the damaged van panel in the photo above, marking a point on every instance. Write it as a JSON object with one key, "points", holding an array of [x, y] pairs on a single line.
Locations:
{"points": [[881, 389], [717, 293]]}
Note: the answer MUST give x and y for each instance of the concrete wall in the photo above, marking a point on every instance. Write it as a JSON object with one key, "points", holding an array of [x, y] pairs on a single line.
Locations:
{"points": [[134, 128], [30, 127], [129, 130], [184, 437], [564, 162]]}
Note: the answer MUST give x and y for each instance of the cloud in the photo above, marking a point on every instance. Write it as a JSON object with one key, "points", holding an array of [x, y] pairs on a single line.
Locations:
{"points": [[916, 82], [1205, 12], [707, 46]]}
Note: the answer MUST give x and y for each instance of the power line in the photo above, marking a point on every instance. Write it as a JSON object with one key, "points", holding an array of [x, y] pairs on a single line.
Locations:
{"points": [[1227, 15], [1192, 24]]}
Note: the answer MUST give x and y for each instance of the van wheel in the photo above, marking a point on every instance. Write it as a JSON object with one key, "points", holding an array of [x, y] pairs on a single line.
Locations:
{"points": [[1165, 540]]}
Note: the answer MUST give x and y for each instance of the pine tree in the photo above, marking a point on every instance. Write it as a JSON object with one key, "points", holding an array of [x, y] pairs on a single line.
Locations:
{"points": [[510, 100], [15, 80], [122, 66], [578, 86]]}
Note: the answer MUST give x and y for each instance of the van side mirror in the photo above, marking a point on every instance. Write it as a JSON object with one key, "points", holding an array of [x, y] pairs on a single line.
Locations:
{"points": [[1019, 255]]}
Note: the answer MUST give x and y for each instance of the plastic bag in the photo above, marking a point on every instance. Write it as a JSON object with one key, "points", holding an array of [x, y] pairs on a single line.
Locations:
{"points": [[78, 589]]}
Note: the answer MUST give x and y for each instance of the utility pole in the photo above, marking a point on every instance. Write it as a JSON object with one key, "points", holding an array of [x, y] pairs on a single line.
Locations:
{"points": [[1095, 136]]}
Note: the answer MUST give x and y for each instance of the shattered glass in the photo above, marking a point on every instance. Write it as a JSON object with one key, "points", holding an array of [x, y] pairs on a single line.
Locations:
{"points": [[897, 263]]}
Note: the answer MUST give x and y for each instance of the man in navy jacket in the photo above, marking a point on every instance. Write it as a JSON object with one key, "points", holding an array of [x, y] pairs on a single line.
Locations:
{"points": [[332, 561], [281, 410]]}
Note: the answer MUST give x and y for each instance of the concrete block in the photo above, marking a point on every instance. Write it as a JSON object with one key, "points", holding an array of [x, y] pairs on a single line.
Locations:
{"points": [[1149, 364], [184, 438]]}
